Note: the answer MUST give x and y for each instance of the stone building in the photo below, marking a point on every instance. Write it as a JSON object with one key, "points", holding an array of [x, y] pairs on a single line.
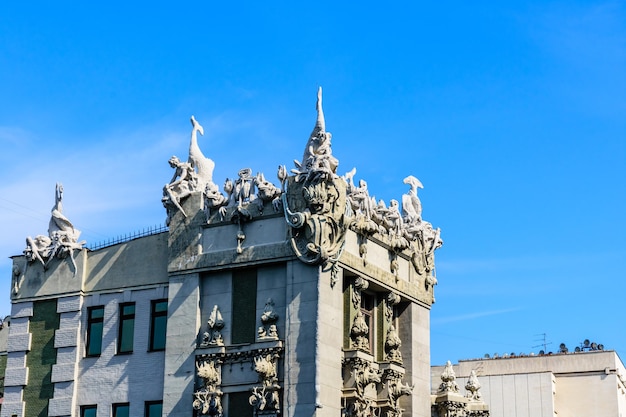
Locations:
{"points": [[306, 298], [587, 382]]}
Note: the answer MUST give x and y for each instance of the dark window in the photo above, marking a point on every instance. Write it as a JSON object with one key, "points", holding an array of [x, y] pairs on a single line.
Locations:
{"points": [[120, 410], [243, 329], [238, 404], [154, 409], [158, 324], [95, 323], [88, 411], [127, 328]]}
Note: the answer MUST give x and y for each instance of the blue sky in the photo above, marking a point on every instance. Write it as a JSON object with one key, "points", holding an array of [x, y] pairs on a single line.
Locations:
{"points": [[513, 116]]}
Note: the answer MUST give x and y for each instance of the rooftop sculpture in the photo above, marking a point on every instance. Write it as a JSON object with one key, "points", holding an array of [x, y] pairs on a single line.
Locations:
{"points": [[319, 205], [61, 242]]}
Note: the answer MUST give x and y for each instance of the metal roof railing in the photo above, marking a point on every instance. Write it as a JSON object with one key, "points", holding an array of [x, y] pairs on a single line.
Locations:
{"points": [[153, 230]]}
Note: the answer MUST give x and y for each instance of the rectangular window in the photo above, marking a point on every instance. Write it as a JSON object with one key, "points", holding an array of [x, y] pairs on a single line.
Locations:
{"points": [[95, 324], [88, 410], [126, 329], [154, 409], [158, 324], [121, 410], [244, 325], [238, 404]]}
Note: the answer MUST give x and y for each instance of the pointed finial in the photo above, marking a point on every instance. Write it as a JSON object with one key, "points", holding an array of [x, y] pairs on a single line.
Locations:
{"points": [[320, 124]]}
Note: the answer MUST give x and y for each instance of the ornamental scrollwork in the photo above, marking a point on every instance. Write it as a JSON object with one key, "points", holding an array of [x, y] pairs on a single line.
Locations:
{"points": [[314, 200]]}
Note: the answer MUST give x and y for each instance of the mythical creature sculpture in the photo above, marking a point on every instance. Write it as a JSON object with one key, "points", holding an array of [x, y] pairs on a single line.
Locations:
{"points": [[395, 390], [267, 192], [62, 239]]}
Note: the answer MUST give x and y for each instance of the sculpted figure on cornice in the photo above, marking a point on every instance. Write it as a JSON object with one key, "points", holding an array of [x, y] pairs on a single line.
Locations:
{"points": [[194, 175], [315, 199], [62, 239], [363, 206]]}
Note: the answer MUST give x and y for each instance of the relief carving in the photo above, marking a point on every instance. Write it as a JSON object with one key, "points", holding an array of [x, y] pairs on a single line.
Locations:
{"points": [[359, 331], [208, 399], [268, 329], [392, 338], [363, 375], [215, 324], [265, 399], [395, 390]]}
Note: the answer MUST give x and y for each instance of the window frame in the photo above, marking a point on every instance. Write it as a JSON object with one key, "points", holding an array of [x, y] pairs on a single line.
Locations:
{"points": [[147, 406], [84, 408], [154, 315], [91, 321], [115, 408], [126, 319]]}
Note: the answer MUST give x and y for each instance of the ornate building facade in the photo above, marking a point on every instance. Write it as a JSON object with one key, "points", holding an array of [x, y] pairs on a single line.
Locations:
{"points": [[303, 298]]}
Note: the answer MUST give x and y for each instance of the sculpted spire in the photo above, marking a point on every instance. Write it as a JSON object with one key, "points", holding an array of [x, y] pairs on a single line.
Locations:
{"points": [[315, 199]]}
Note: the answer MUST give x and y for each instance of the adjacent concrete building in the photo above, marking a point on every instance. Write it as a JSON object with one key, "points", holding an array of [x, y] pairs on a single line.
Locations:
{"points": [[576, 384], [309, 298]]}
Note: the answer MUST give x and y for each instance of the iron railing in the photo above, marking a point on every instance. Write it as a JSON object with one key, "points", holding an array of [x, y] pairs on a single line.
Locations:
{"points": [[153, 230]]}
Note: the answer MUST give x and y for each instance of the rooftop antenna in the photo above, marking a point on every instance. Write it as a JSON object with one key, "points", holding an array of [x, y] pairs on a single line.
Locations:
{"points": [[544, 342]]}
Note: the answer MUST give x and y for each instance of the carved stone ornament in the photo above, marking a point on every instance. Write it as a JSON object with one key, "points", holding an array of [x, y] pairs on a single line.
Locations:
{"points": [[246, 199], [362, 376], [448, 380], [268, 329], [392, 338], [359, 333], [208, 399], [265, 399], [315, 202], [215, 324], [62, 239], [395, 390], [363, 206], [473, 387]]}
